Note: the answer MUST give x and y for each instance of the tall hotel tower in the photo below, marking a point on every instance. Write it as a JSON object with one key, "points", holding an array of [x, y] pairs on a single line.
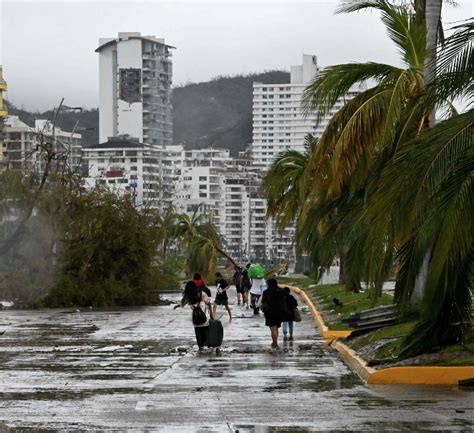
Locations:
{"points": [[135, 88]]}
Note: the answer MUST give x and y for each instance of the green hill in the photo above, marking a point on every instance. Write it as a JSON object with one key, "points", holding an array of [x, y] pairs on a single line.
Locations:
{"points": [[219, 112], [215, 113]]}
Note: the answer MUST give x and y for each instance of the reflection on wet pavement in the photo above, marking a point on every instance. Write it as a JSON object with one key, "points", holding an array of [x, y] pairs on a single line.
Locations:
{"points": [[138, 369]]}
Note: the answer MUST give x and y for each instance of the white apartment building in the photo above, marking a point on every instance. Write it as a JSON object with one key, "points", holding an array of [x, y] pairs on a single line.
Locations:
{"points": [[201, 186], [172, 163], [135, 88], [279, 123], [22, 145], [127, 167]]}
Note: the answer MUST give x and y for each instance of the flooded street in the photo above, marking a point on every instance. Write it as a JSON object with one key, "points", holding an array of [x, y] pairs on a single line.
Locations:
{"points": [[139, 369]]}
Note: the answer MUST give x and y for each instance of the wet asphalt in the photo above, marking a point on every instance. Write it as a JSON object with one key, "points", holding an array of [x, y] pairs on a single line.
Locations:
{"points": [[139, 370]]}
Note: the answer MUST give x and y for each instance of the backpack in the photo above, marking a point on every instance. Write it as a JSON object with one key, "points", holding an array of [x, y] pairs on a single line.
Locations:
{"points": [[236, 277], [206, 290], [246, 284], [199, 317]]}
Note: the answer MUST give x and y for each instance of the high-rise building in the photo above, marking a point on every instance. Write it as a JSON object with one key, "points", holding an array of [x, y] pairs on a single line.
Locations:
{"points": [[279, 122], [3, 115], [135, 88]]}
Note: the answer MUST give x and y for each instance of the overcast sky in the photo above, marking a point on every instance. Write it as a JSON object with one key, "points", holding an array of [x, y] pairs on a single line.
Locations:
{"points": [[47, 48]]}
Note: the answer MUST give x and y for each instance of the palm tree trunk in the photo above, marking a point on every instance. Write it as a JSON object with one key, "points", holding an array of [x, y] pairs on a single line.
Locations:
{"points": [[223, 253], [432, 10], [432, 20]]}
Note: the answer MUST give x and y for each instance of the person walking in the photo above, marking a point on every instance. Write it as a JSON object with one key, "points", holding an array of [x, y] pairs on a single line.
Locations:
{"points": [[291, 305], [245, 284], [275, 309], [201, 311], [221, 295], [200, 284], [256, 290], [256, 274], [237, 280]]}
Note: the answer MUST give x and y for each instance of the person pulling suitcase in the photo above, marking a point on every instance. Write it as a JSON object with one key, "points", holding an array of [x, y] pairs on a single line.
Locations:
{"points": [[214, 333]]}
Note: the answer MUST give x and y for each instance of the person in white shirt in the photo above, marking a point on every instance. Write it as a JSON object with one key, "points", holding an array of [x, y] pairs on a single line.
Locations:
{"points": [[258, 286]]}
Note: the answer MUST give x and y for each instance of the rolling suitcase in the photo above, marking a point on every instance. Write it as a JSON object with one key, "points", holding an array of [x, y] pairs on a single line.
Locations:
{"points": [[214, 333]]}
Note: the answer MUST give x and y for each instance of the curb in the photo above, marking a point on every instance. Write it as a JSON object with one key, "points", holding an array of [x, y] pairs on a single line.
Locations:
{"points": [[326, 333], [410, 375]]}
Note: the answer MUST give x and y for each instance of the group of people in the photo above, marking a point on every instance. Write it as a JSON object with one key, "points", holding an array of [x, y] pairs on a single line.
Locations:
{"points": [[277, 304]]}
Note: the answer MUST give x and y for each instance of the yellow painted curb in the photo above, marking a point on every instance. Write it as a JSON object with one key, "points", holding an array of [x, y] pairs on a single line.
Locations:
{"points": [[326, 333], [422, 375], [354, 361]]}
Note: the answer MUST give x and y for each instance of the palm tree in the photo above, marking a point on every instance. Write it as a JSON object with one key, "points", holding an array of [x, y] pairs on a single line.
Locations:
{"points": [[362, 136], [322, 229], [166, 230], [286, 184], [201, 241], [382, 134], [433, 178]]}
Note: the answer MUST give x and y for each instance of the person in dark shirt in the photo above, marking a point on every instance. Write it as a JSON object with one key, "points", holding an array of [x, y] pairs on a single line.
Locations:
{"points": [[291, 304], [275, 308], [237, 279], [245, 284], [221, 295]]}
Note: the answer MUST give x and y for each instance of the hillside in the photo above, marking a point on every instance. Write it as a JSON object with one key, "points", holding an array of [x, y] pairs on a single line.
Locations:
{"points": [[219, 112], [214, 113]]}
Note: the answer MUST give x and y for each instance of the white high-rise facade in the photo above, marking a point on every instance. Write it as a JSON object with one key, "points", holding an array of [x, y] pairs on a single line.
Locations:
{"points": [[135, 89], [279, 122]]}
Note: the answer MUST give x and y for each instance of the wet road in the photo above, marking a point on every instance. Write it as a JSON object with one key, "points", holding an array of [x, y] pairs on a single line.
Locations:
{"points": [[137, 369]]}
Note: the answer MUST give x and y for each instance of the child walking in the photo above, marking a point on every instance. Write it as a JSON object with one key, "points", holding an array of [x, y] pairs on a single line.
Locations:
{"points": [[291, 304]]}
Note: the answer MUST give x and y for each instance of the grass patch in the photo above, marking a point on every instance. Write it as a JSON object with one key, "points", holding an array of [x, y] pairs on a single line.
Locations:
{"points": [[302, 282], [453, 355], [352, 303]]}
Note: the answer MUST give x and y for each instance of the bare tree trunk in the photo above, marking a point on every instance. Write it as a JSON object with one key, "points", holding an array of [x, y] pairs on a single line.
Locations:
{"points": [[223, 253]]}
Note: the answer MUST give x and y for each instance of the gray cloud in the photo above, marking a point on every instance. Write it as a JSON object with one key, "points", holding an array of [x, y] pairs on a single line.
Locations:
{"points": [[47, 48]]}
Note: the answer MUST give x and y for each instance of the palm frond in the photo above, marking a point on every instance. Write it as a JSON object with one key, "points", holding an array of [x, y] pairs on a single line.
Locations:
{"points": [[334, 82], [405, 29]]}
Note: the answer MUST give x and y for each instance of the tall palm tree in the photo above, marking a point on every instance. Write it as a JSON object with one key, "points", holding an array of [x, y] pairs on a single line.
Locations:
{"points": [[375, 138], [365, 133], [432, 178]]}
